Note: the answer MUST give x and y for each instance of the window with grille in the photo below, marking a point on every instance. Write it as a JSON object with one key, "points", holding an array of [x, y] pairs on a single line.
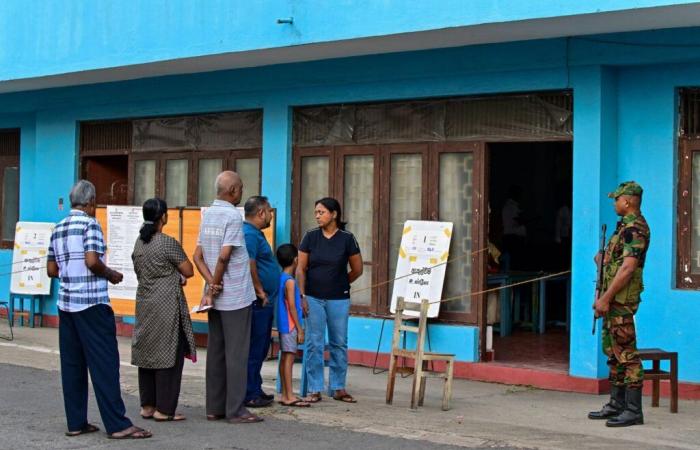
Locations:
{"points": [[688, 233], [175, 158]]}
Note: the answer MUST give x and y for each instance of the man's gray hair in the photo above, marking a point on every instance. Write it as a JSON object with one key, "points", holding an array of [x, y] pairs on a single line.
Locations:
{"points": [[82, 194], [255, 204]]}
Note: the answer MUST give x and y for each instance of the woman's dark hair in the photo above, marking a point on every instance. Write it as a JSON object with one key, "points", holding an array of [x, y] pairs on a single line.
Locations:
{"points": [[286, 254], [333, 205], [153, 210]]}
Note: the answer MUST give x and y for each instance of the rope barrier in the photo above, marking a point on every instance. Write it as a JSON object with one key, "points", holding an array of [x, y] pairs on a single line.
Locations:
{"points": [[507, 286], [382, 283], [456, 258]]}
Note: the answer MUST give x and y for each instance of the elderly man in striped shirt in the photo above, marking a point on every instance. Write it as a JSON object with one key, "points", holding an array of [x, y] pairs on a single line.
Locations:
{"points": [[87, 332]]}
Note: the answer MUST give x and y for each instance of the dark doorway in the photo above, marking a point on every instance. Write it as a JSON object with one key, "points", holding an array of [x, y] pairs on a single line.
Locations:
{"points": [[110, 175], [530, 192]]}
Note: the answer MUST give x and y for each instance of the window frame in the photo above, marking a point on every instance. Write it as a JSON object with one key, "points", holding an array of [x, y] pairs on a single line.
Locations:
{"points": [[339, 191], [228, 158], [479, 220], [685, 279], [115, 139], [430, 151], [12, 159]]}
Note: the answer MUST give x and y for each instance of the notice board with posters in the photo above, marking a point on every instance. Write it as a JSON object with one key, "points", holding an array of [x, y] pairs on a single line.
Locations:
{"points": [[420, 269], [29, 256], [123, 223], [183, 225]]}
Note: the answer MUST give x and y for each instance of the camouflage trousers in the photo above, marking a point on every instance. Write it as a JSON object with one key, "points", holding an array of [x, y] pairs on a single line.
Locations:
{"points": [[620, 346]]}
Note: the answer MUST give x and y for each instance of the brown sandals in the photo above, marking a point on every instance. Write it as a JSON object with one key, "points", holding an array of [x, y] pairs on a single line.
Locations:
{"points": [[131, 433], [248, 418], [344, 397]]}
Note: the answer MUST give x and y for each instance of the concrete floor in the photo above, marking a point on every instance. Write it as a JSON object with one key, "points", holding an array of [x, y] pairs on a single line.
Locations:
{"points": [[483, 414]]}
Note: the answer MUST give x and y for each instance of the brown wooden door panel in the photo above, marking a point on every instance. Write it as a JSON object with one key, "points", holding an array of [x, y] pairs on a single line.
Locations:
{"points": [[370, 263]]}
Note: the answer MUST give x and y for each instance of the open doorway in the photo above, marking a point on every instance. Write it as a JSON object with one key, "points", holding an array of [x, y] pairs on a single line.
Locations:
{"points": [[110, 176], [530, 191]]}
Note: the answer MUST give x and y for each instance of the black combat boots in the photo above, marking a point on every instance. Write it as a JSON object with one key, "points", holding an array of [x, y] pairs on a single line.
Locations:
{"points": [[632, 415], [614, 407]]}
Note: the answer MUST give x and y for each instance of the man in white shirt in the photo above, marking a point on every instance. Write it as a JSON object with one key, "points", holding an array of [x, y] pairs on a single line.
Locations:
{"points": [[222, 260], [514, 231]]}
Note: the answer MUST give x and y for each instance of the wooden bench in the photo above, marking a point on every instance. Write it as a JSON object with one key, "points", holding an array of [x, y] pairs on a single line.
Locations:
{"points": [[656, 355]]}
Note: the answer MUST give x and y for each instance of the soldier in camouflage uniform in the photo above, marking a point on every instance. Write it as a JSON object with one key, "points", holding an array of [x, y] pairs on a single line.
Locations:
{"points": [[623, 264]]}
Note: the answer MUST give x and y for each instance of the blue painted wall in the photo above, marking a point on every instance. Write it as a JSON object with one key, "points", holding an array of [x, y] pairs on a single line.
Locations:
{"points": [[369, 334], [647, 152], [623, 123], [43, 38]]}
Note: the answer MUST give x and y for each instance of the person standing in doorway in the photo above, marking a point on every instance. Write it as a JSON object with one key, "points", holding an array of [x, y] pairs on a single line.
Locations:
{"points": [[265, 273], [324, 281], [222, 260], [163, 334], [623, 264], [514, 231], [87, 333]]}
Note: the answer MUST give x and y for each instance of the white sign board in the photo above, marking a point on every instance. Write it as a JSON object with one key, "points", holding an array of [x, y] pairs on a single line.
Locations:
{"points": [[29, 258], [424, 245], [123, 225]]}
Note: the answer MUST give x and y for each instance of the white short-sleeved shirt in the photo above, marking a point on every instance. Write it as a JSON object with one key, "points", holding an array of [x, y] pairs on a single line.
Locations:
{"points": [[222, 225], [510, 213]]}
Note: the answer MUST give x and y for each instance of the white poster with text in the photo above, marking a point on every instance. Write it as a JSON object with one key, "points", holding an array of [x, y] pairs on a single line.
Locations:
{"points": [[420, 270], [123, 225], [29, 258]]}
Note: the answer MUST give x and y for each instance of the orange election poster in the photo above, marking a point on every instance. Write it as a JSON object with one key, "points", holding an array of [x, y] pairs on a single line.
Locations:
{"points": [[183, 225]]}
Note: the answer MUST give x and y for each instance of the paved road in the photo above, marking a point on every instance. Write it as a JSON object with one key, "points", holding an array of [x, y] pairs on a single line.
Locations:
{"points": [[32, 417]]}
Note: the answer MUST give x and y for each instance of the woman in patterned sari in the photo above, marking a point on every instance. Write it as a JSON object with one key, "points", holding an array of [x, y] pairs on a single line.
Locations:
{"points": [[163, 330]]}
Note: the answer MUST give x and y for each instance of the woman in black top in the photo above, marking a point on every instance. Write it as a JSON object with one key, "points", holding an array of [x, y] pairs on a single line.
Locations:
{"points": [[324, 281]]}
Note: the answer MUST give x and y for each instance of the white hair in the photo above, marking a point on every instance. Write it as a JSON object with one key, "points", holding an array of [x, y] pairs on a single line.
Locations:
{"points": [[82, 193]]}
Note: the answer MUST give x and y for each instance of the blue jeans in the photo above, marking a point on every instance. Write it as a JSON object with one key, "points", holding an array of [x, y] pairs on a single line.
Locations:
{"points": [[260, 329], [334, 314]]}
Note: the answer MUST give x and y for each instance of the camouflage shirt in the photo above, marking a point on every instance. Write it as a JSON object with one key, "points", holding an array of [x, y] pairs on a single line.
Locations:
{"points": [[630, 239]]}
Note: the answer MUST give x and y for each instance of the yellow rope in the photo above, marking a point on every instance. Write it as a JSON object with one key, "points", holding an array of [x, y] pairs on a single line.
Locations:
{"points": [[457, 258], [508, 286]]}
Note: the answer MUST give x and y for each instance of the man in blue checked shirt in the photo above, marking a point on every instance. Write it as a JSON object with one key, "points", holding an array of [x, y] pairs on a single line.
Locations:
{"points": [[87, 333]]}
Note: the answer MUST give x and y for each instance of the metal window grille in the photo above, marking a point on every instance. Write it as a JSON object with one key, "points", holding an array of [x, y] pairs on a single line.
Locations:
{"points": [[527, 116], [105, 137], [690, 113], [9, 142]]}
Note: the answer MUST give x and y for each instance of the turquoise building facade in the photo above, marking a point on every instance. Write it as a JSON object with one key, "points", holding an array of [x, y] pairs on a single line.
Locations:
{"points": [[624, 63]]}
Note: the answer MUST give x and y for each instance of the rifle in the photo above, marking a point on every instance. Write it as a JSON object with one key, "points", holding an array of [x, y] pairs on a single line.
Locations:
{"points": [[599, 274]]}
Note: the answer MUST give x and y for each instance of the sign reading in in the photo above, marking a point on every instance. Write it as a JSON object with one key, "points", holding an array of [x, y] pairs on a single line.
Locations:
{"points": [[29, 275], [425, 247]]}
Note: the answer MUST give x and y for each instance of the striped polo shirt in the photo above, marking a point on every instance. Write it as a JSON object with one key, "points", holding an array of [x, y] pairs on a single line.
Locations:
{"points": [[222, 225], [73, 236]]}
